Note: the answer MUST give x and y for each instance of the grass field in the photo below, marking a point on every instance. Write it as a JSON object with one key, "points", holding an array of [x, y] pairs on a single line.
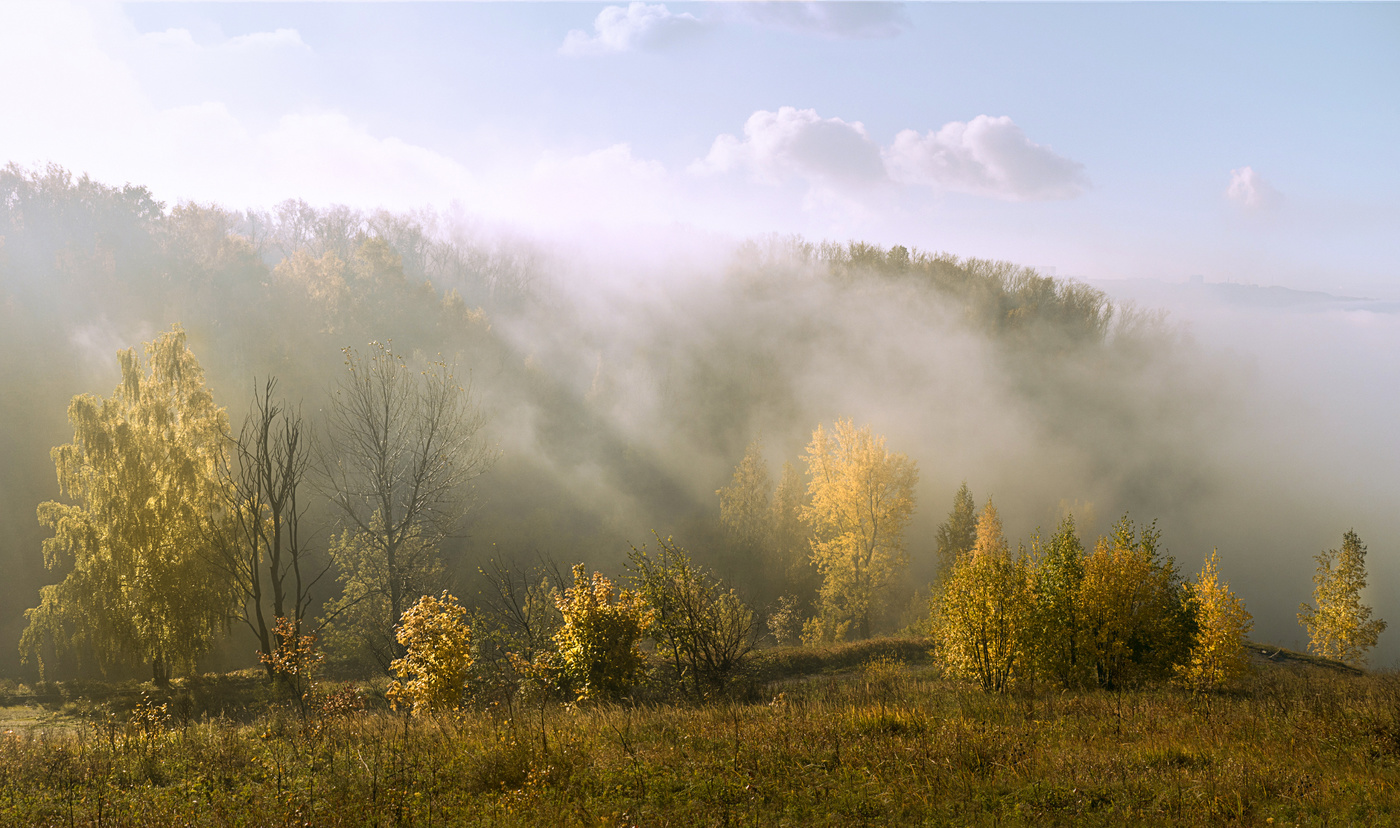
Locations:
{"points": [[865, 734]]}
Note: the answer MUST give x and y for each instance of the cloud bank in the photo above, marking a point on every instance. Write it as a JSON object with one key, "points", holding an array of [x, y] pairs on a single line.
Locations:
{"points": [[797, 142], [990, 157]]}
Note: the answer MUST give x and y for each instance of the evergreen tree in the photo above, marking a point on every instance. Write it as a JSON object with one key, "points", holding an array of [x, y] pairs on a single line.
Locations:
{"points": [[958, 533], [1341, 627]]}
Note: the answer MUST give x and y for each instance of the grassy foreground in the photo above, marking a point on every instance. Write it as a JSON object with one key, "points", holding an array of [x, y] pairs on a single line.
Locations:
{"points": [[881, 743]]}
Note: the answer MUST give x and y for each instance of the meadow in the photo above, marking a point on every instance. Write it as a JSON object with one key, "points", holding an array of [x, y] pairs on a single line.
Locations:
{"points": [[855, 734]]}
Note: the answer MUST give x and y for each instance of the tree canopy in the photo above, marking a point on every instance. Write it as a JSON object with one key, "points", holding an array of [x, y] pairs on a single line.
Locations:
{"points": [[862, 496], [141, 481], [1340, 626]]}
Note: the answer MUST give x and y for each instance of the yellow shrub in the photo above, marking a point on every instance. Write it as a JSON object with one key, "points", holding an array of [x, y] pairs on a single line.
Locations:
{"points": [[600, 642], [432, 675]]}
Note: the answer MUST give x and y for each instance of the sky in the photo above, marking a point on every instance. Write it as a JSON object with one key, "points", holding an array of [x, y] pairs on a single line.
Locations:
{"points": [[1240, 142]]}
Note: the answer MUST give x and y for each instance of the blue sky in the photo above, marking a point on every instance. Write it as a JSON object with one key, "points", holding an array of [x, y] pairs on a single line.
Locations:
{"points": [[1248, 142]]}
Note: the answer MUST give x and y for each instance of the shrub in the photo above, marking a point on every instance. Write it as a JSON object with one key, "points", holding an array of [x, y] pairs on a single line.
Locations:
{"points": [[600, 656], [432, 675], [704, 631]]}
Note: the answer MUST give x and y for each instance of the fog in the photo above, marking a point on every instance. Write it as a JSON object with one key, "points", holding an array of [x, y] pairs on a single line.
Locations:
{"points": [[624, 374]]}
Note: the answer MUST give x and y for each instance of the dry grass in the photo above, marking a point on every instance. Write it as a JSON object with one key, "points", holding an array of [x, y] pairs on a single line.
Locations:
{"points": [[883, 744]]}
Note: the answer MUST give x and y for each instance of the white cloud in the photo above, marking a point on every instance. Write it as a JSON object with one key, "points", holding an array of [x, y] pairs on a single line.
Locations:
{"points": [[1249, 190], [81, 105], [798, 142], [638, 26], [985, 156], [834, 20]]}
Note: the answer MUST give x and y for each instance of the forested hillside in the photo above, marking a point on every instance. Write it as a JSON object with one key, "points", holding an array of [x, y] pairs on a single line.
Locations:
{"points": [[618, 398]]}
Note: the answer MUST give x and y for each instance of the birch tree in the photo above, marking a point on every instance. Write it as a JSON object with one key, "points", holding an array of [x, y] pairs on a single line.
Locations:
{"points": [[1340, 626], [985, 612], [142, 493], [861, 498], [1218, 658]]}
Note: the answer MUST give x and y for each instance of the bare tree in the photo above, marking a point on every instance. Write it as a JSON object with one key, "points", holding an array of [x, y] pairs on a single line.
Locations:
{"points": [[263, 547], [402, 448]]}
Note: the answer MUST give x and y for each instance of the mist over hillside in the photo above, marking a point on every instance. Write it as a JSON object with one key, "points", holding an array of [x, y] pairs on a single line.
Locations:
{"points": [[622, 385]]}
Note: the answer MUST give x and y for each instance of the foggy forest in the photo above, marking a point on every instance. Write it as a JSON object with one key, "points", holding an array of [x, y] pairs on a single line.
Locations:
{"points": [[617, 397], [367, 444], [683, 413]]}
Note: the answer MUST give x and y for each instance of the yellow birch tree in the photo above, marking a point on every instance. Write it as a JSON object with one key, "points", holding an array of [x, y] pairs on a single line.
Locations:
{"points": [[1341, 626], [862, 496], [141, 481], [1218, 658], [984, 614], [1136, 619]]}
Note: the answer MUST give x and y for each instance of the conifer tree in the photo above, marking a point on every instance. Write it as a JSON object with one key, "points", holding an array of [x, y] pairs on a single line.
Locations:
{"points": [[1340, 627], [958, 533]]}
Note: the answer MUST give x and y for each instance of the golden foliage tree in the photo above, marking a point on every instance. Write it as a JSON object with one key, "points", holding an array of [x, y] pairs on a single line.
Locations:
{"points": [[984, 614], [1136, 616], [437, 660], [143, 491], [599, 644], [1340, 626], [861, 498], [1218, 658]]}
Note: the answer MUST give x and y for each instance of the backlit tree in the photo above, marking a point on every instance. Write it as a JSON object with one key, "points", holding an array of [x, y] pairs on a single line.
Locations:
{"points": [[1137, 619], [142, 493], [985, 610], [599, 644], [402, 448], [862, 496], [1340, 626], [958, 533], [437, 642]]}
